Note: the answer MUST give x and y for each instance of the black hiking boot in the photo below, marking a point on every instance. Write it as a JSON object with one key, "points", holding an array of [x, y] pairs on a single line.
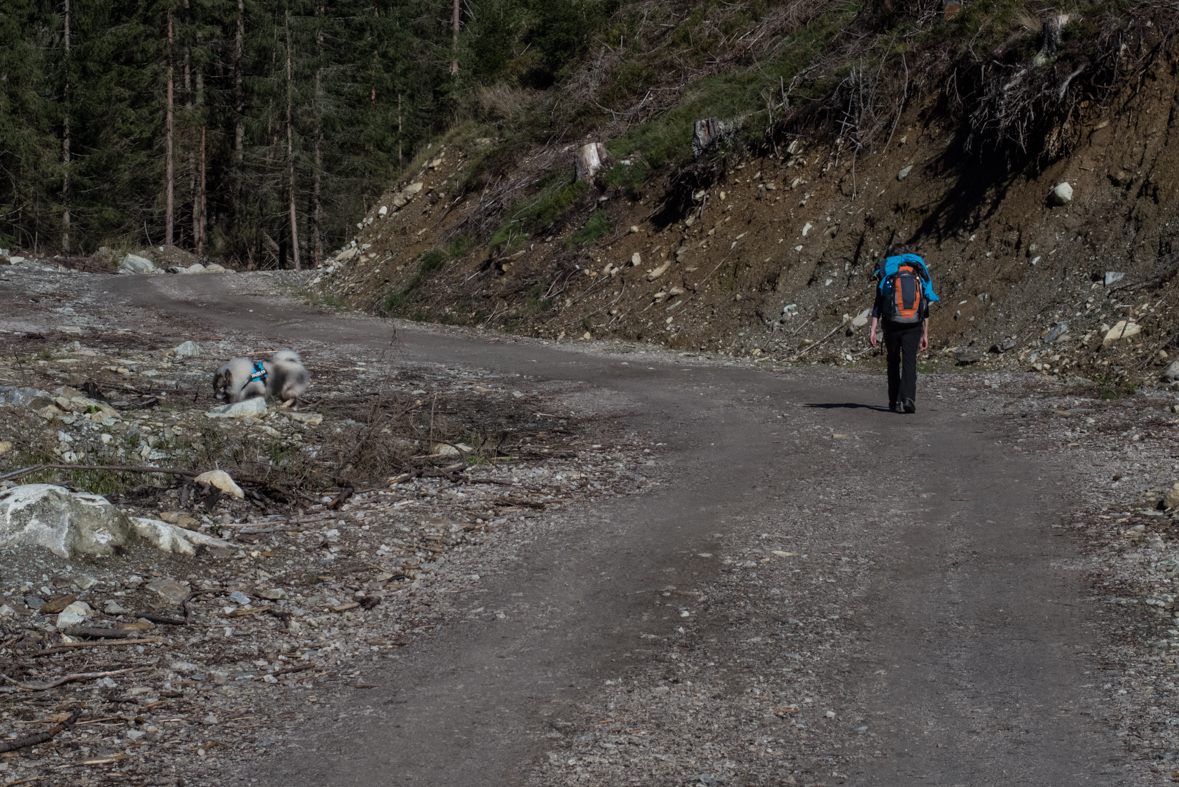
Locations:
{"points": [[909, 406], [896, 407]]}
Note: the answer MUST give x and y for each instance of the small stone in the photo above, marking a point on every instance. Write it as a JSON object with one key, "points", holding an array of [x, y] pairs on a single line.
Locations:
{"points": [[273, 594], [311, 419], [189, 349], [5, 446], [181, 519], [1122, 330], [861, 319], [1171, 373], [170, 590], [135, 264], [56, 604], [84, 581], [73, 615], [238, 597], [1059, 331], [662, 269], [1062, 194], [113, 607], [1113, 277], [134, 735], [904, 173], [221, 480], [1172, 498], [636, 259]]}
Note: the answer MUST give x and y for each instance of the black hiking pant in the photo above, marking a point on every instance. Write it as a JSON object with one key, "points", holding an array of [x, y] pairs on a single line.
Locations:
{"points": [[902, 342]]}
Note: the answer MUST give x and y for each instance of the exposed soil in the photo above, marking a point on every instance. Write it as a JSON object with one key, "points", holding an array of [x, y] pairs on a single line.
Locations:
{"points": [[729, 582], [723, 249]]}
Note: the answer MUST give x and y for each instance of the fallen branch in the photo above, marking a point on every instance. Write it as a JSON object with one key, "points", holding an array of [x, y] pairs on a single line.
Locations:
{"points": [[40, 737], [66, 678], [100, 633], [66, 647], [114, 468], [816, 344]]}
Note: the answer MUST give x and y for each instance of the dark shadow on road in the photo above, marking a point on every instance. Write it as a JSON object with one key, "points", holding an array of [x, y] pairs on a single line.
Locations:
{"points": [[847, 406]]}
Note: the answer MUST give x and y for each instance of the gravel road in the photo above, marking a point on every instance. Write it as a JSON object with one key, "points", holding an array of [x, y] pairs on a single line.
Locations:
{"points": [[817, 591]]}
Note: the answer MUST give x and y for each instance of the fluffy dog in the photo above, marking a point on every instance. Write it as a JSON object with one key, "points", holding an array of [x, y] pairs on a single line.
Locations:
{"points": [[288, 377], [239, 379]]}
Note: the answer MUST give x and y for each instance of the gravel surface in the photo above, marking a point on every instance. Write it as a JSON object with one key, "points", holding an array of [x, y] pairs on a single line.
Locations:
{"points": [[719, 575]]}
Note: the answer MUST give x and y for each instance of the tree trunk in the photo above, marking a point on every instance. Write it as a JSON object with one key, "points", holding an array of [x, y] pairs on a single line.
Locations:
{"points": [[65, 142], [168, 147], [291, 152], [317, 184], [200, 238], [239, 94], [454, 61]]}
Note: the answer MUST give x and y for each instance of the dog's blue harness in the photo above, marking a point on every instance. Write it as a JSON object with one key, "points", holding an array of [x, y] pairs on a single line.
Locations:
{"points": [[258, 375]]}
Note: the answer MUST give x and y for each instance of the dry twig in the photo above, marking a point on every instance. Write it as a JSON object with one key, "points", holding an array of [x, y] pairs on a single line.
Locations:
{"points": [[40, 737]]}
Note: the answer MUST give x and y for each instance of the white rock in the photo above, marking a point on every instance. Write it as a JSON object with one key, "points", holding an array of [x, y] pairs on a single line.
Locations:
{"points": [[5, 446], [347, 254], [1062, 194], [1112, 277], [63, 522], [188, 349], [136, 264], [73, 615], [636, 259], [403, 197], [1170, 375], [249, 407], [311, 419], [1172, 498], [114, 608], [862, 318], [384, 211], [196, 267], [1122, 330], [215, 268], [175, 539], [904, 173], [662, 269], [221, 480]]}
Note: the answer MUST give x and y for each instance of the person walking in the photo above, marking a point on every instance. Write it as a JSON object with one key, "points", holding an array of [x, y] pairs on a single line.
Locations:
{"points": [[903, 295]]}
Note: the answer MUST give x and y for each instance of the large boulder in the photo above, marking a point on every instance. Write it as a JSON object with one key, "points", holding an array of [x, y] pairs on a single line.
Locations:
{"points": [[61, 521], [133, 263], [74, 523], [24, 397]]}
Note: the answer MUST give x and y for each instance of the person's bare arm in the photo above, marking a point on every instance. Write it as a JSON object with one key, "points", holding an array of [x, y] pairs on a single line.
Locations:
{"points": [[924, 335], [872, 332]]}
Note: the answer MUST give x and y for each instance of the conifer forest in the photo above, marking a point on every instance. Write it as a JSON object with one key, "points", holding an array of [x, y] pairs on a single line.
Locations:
{"points": [[257, 130]]}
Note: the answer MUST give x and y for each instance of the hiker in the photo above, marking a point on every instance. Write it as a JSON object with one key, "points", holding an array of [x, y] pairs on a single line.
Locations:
{"points": [[902, 303]]}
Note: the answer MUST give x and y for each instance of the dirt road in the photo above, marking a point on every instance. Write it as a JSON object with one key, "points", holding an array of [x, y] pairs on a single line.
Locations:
{"points": [[817, 592]]}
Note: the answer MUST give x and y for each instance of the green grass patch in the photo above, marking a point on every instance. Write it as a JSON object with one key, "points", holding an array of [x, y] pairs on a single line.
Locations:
{"points": [[597, 227], [539, 213], [667, 138]]}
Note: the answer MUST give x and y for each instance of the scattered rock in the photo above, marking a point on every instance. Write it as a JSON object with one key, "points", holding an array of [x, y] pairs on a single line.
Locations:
{"points": [[5, 446], [402, 198], [247, 408], [73, 615], [311, 419], [188, 349], [968, 356], [24, 397], [221, 480], [240, 598], [1062, 194], [1122, 330], [662, 269], [862, 318], [1170, 374], [181, 519], [273, 594], [56, 604], [904, 173], [1171, 500], [1060, 330], [170, 590], [1112, 277], [172, 538]]}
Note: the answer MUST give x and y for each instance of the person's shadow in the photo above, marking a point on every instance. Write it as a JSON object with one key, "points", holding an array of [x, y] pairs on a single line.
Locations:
{"points": [[847, 406]]}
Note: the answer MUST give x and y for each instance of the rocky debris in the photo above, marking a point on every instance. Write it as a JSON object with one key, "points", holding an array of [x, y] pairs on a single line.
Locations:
{"points": [[904, 173], [968, 356], [221, 480], [133, 263], [1058, 331], [24, 397], [403, 197], [1171, 499], [247, 408], [175, 538], [1113, 277], [1171, 373]]}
